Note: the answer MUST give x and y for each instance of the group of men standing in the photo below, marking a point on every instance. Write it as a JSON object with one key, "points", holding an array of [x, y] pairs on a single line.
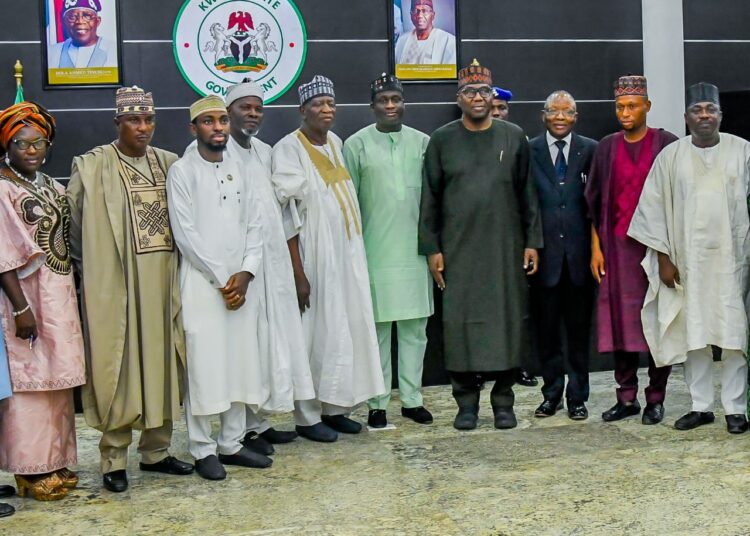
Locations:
{"points": [[244, 280]]}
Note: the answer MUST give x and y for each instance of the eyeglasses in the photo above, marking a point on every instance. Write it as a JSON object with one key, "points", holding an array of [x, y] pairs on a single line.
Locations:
{"points": [[421, 11], [85, 16], [471, 92], [41, 143], [554, 113]]}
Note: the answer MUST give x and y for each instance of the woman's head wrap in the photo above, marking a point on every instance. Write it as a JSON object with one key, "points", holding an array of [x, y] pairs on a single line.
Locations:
{"points": [[25, 114]]}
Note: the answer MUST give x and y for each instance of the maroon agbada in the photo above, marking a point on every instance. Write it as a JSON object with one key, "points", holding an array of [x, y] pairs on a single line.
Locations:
{"points": [[618, 172]]}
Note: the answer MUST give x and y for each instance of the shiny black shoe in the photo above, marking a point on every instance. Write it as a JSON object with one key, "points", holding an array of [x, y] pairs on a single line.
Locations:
{"points": [[341, 423], [210, 468], [466, 419], [694, 419], [376, 418], [653, 413], [577, 411], [318, 432], [6, 510], [115, 481], [7, 491], [526, 379], [505, 419], [257, 444], [278, 437], [548, 408], [246, 458], [419, 415], [169, 466], [736, 424], [621, 411]]}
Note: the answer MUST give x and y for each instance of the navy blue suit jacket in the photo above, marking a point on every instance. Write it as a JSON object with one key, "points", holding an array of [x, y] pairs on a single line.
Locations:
{"points": [[567, 229]]}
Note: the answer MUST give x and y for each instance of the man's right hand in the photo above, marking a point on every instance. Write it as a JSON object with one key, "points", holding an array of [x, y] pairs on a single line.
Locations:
{"points": [[668, 272], [303, 291], [597, 264], [436, 264], [26, 326]]}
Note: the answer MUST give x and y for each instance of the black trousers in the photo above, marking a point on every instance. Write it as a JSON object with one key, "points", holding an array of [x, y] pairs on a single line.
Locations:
{"points": [[569, 307], [466, 387]]}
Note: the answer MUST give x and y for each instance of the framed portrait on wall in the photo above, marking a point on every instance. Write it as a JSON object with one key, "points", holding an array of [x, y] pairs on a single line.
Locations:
{"points": [[81, 43], [424, 39]]}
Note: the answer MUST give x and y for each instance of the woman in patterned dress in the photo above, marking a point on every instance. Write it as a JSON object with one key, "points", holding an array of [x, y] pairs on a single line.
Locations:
{"points": [[39, 311]]}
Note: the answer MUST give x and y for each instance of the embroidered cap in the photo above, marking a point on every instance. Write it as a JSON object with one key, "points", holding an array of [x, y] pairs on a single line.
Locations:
{"points": [[631, 85], [81, 4], [474, 74], [701, 92], [247, 88], [385, 82], [212, 103], [133, 100], [416, 3], [319, 85], [502, 94]]}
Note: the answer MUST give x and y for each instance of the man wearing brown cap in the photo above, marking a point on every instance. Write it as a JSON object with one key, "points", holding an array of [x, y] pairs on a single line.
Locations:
{"points": [[480, 228], [618, 172], [692, 216], [122, 244]]}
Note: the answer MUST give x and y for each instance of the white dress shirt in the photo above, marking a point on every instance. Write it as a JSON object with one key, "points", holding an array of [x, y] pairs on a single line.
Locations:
{"points": [[553, 150]]}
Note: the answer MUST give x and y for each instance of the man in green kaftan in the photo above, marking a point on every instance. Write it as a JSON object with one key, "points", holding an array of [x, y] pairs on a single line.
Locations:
{"points": [[480, 228], [385, 163]]}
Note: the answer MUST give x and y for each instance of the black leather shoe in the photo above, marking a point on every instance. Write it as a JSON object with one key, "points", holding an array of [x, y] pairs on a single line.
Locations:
{"points": [[246, 458], [6, 510], [526, 379], [257, 444], [466, 419], [7, 491], [577, 411], [377, 418], [736, 424], [505, 418], [210, 468], [341, 423], [653, 413], [318, 432], [548, 408], [621, 411], [115, 481], [169, 466], [418, 415], [694, 419], [278, 437]]}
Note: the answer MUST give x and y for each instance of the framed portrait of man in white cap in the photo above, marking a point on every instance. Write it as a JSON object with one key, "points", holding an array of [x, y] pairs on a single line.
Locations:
{"points": [[82, 43]]}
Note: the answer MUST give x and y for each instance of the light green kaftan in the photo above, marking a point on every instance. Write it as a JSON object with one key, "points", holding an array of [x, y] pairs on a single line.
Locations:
{"points": [[386, 169]]}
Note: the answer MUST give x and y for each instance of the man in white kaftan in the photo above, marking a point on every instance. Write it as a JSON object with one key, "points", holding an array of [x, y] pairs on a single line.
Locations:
{"points": [[289, 369], [217, 227], [693, 217], [324, 231], [425, 44]]}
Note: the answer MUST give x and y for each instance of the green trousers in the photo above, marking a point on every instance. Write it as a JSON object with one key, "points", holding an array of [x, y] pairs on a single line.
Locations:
{"points": [[412, 341]]}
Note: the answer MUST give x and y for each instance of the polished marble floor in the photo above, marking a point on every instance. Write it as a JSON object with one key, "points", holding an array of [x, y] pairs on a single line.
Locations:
{"points": [[547, 477]]}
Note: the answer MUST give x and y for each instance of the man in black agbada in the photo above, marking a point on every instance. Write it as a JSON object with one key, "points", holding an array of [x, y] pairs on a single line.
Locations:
{"points": [[480, 228]]}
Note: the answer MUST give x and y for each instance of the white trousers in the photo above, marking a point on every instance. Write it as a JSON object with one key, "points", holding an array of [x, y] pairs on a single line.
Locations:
{"points": [[231, 432], [699, 378], [255, 422], [308, 412]]}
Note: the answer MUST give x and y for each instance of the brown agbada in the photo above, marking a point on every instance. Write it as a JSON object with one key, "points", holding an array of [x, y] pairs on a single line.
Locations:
{"points": [[121, 243]]}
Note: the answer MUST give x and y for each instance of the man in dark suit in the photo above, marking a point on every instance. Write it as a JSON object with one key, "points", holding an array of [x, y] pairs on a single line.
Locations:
{"points": [[562, 291]]}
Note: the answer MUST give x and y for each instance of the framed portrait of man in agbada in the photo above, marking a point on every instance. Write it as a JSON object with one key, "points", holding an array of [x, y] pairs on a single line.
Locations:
{"points": [[81, 43], [424, 39]]}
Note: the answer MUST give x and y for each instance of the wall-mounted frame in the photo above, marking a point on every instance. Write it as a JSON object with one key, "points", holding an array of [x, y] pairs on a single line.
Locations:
{"points": [[424, 41], [81, 43]]}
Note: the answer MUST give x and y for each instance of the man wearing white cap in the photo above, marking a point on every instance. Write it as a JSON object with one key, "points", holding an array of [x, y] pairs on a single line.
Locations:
{"points": [[288, 372], [324, 230], [217, 227]]}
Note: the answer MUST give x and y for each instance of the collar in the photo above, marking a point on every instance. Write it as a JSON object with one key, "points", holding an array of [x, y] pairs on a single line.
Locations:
{"points": [[551, 139]]}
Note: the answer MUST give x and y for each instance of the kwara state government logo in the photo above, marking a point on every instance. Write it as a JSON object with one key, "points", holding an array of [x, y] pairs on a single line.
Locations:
{"points": [[218, 43]]}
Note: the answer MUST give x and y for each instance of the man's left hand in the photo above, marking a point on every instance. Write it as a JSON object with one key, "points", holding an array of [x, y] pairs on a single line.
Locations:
{"points": [[235, 289], [530, 261]]}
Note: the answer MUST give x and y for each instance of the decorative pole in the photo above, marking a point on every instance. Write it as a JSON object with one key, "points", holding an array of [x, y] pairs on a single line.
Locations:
{"points": [[18, 68]]}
